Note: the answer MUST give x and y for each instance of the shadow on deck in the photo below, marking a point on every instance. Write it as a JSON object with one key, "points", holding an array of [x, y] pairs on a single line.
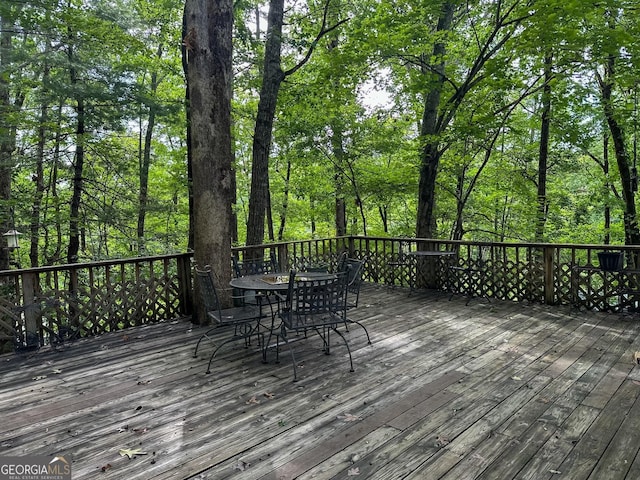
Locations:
{"points": [[447, 391]]}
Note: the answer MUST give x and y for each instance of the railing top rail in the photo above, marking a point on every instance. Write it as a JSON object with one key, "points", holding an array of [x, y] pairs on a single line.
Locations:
{"points": [[581, 246], [132, 260], [100, 263]]}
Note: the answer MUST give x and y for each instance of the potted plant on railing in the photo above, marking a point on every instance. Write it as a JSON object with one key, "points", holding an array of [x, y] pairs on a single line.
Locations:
{"points": [[611, 261]]}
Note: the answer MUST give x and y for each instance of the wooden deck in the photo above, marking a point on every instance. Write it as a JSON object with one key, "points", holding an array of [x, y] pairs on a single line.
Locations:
{"points": [[446, 391]]}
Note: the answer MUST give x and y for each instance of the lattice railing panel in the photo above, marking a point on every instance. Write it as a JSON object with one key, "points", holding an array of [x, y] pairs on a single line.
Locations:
{"points": [[59, 303]]}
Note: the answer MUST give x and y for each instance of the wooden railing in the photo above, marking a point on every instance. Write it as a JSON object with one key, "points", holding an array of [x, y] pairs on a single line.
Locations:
{"points": [[48, 304]]}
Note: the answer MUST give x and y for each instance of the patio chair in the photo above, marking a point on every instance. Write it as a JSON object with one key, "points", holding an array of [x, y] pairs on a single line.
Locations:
{"points": [[252, 267], [400, 264], [317, 305], [467, 278], [245, 319], [353, 268]]}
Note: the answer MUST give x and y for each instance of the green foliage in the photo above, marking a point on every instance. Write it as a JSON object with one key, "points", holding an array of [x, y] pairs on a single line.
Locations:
{"points": [[331, 141]]}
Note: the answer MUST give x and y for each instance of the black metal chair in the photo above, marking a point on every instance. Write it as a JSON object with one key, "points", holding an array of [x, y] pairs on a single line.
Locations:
{"points": [[254, 267], [353, 268], [400, 264], [317, 305], [466, 274], [245, 318]]}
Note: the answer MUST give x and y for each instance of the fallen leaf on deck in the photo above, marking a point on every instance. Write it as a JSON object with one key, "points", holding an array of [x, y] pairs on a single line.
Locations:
{"points": [[353, 472], [129, 452], [242, 465], [441, 441], [252, 400], [347, 417], [268, 395], [140, 430], [517, 379]]}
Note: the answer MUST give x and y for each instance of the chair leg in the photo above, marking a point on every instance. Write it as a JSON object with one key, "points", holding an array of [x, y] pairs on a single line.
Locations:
{"points": [[293, 357], [216, 351], [202, 337], [246, 331], [346, 344], [363, 327], [327, 342], [265, 346]]}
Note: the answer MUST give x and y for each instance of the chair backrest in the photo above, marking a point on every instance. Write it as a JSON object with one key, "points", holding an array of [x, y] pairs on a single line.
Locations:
{"points": [[353, 268], [316, 302], [399, 256], [342, 261], [208, 293], [254, 267]]}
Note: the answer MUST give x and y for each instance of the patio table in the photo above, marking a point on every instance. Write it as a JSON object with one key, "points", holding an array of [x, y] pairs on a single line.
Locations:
{"points": [[276, 284], [421, 277]]}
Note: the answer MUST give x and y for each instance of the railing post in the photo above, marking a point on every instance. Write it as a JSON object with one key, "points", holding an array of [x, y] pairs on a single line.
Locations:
{"points": [[352, 246], [185, 285], [549, 275], [283, 257], [31, 307]]}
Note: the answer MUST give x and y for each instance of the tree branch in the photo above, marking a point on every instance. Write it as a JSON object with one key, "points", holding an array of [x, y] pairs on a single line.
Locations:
{"points": [[323, 31]]}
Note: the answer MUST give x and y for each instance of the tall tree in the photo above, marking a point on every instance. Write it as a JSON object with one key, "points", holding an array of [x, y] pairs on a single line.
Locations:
{"points": [[607, 82], [208, 52], [78, 163], [145, 156], [10, 105], [543, 157], [440, 106], [272, 78], [432, 127]]}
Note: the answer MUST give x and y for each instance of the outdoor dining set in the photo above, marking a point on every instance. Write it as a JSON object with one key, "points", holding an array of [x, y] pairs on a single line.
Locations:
{"points": [[273, 307]]}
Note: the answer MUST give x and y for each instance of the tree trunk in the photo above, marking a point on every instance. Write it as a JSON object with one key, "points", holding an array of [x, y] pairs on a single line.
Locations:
{"points": [[430, 130], [285, 202], [543, 156], [56, 255], [458, 224], [606, 83], [185, 51], [7, 134], [208, 54], [36, 207], [339, 181], [145, 161], [384, 216], [272, 78], [78, 165], [607, 187]]}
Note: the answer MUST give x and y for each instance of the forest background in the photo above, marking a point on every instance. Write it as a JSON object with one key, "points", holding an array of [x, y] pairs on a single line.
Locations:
{"points": [[479, 120]]}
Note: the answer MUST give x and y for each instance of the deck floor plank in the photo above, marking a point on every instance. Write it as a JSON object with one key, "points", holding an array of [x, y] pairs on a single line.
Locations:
{"points": [[447, 391]]}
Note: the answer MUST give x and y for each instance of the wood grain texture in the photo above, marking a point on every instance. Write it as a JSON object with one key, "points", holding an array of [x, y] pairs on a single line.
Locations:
{"points": [[488, 390]]}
